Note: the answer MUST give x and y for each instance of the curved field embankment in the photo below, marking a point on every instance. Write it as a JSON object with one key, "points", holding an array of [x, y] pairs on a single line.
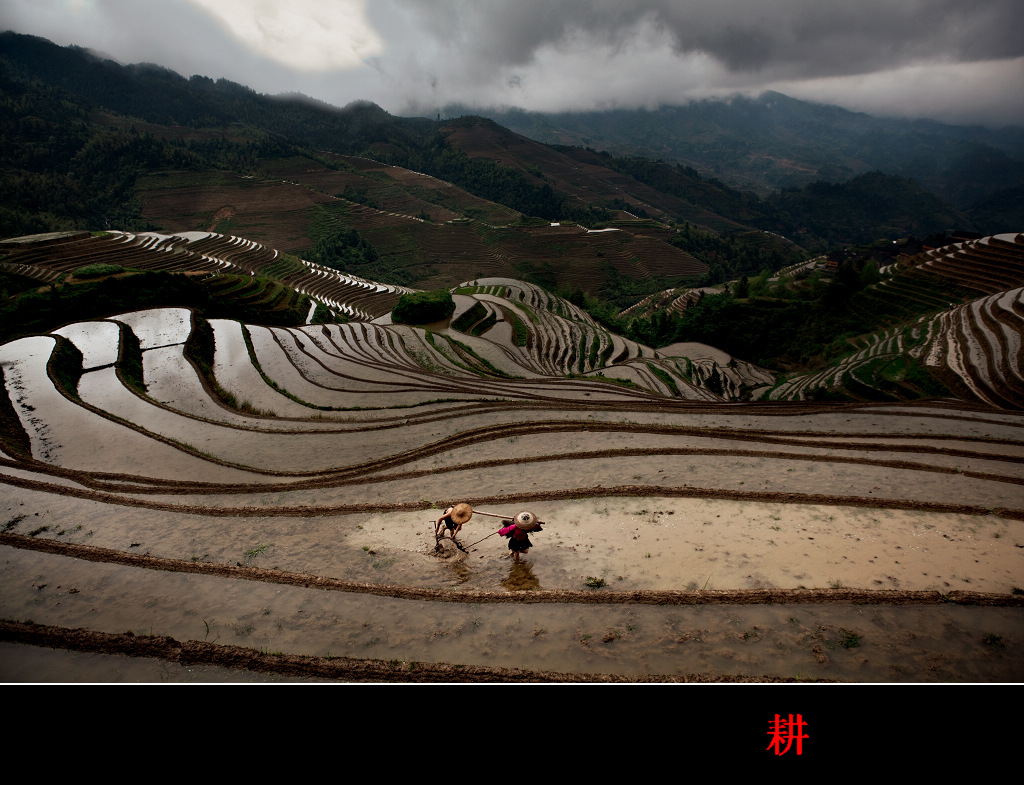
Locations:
{"points": [[685, 539]]}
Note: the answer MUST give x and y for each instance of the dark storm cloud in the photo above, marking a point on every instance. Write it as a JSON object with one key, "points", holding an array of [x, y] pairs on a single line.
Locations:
{"points": [[922, 57], [811, 38], [175, 35], [792, 37], [599, 53]]}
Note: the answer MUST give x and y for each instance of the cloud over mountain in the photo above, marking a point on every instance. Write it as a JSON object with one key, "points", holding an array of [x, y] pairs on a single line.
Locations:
{"points": [[948, 59]]}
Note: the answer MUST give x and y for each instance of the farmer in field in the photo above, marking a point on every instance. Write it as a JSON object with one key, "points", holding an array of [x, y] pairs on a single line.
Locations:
{"points": [[517, 532], [451, 521]]}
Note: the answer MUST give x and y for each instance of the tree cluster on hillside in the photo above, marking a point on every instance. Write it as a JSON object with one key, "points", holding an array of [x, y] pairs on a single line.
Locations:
{"points": [[819, 215], [423, 307], [343, 250], [158, 95], [732, 255], [867, 207], [63, 171]]}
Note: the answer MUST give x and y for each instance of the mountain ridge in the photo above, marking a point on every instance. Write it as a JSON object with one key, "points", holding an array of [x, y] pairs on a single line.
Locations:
{"points": [[763, 142], [272, 126]]}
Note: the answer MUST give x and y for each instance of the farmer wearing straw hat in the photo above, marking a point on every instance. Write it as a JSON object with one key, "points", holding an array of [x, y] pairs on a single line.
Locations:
{"points": [[452, 519], [516, 531]]}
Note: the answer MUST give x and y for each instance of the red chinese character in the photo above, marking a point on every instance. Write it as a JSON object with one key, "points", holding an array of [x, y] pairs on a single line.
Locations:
{"points": [[783, 730]]}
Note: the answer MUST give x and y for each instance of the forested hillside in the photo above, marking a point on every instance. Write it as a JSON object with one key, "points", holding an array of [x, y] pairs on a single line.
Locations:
{"points": [[79, 131], [774, 142]]}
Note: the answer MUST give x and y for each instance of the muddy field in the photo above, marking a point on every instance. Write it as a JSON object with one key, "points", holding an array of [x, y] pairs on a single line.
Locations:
{"points": [[164, 537], [615, 588]]}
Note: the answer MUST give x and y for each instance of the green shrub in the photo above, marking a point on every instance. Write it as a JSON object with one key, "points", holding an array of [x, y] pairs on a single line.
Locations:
{"points": [[520, 332], [98, 269], [665, 377], [423, 307]]}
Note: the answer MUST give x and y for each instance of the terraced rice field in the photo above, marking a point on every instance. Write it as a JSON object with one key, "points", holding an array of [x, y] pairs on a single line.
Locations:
{"points": [[686, 537], [974, 347], [415, 222]]}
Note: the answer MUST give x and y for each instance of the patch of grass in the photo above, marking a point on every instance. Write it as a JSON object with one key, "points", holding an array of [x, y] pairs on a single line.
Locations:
{"points": [[258, 550], [594, 348], [470, 317], [129, 360], [199, 348], [520, 332], [13, 437], [595, 582], [483, 361], [97, 270], [666, 378], [848, 639], [600, 377], [993, 642]]}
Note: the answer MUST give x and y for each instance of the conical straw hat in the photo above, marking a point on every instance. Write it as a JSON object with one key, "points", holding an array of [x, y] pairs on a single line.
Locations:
{"points": [[462, 513], [526, 521]]}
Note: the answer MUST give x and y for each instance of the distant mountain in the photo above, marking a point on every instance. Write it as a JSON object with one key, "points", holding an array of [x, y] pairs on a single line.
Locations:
{"points": [[774, 142], [157, 95], [92, 144]]}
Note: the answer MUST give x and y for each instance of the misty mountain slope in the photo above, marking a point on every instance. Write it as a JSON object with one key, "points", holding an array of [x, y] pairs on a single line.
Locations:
{"points": [[582, 175], [117, 124], [774, 142]]}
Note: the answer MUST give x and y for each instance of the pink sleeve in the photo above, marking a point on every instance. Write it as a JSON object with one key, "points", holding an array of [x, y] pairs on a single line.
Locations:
{"points": [[507, 530]]}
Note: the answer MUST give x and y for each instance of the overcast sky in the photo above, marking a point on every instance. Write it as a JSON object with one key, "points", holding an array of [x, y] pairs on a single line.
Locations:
{"points": [[953, 60]]}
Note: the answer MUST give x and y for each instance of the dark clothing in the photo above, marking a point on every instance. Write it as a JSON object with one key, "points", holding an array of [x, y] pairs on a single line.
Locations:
{"points": [[518, 540], [515, 544]]}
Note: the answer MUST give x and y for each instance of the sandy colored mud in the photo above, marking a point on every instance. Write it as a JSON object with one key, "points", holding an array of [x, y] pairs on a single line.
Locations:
{"points": [[629, 589]]}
